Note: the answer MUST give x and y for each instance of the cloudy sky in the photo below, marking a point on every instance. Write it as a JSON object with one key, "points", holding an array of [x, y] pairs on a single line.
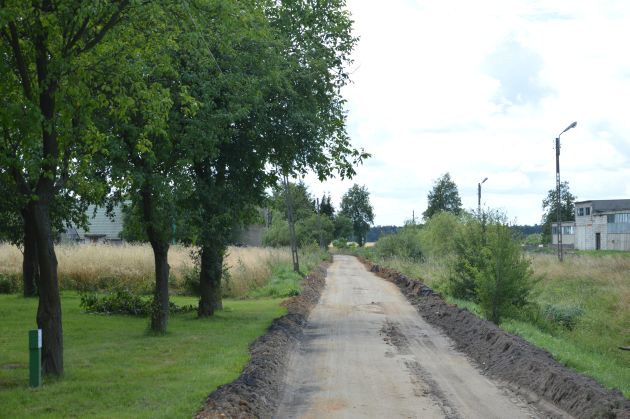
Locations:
{"points": [[481, 89]]}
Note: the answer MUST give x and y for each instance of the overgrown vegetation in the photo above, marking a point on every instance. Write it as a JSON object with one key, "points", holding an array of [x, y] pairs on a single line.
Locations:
{"points": [[579, 310]]}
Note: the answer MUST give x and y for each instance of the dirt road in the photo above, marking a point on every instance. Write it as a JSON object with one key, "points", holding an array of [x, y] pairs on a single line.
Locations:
{"points": [[368, 353]]}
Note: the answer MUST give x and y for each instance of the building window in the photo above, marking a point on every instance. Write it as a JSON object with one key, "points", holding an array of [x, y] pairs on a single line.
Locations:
{"points": [[580, 212], [587, 211], [622, 218], [618, 223], [566, 230]]}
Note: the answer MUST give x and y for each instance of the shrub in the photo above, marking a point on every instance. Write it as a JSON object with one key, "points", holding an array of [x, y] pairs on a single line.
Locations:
{"points": [[191, 282], [469, 240], [565, 316], [9, 284], [503, 281], [340, 243], [403, 244], [124, 302], [438, 236]]}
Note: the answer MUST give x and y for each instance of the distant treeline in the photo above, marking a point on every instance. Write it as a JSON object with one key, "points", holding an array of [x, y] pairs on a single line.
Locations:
{"points": [[376, 231], [526, 230]]}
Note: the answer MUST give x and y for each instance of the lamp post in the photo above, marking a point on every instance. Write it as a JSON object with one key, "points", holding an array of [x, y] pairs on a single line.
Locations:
{"points": [[479, 196], [558, 203]]}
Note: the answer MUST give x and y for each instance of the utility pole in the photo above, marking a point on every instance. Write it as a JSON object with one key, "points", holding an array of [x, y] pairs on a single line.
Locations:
{"points": [[319, 224], [559, 200], [479, 197], [289, 202]]}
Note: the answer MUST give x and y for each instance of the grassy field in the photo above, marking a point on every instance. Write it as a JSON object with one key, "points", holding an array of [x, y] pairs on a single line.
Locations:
{"points": [[595, 285], [102, 267], [113, 367]]}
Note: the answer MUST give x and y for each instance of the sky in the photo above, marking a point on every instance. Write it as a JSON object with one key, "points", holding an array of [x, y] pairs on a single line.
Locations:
{"points": [[482, 89]]}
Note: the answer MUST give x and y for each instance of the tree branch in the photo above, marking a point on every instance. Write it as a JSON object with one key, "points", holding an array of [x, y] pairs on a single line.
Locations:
{"points": [[80, 32], [110, 24], [14, 40]]}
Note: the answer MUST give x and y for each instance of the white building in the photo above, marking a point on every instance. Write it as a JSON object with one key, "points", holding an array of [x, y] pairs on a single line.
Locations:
{"points": [[599, 224]]}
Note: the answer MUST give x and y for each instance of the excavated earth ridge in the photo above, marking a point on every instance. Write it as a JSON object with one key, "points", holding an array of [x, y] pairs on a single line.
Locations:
{"points": [[527, 369]]}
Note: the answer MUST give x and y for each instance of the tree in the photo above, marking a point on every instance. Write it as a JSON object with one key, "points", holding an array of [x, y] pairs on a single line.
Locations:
{"points": [[355, 204], [302, 201], [504, 280], [443, 197], [343, 227], [47, 48], [326, 207], [550, 207], [276, 112]]}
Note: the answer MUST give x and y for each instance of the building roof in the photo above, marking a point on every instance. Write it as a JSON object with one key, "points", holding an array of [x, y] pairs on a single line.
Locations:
{"points": [[607, 205]]}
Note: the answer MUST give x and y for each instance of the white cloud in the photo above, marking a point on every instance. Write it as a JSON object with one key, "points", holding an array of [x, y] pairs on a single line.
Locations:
{"points": [[481, 89]]}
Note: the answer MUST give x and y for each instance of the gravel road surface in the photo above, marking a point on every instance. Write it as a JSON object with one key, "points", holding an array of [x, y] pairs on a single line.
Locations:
{"points": [[366, 352]]}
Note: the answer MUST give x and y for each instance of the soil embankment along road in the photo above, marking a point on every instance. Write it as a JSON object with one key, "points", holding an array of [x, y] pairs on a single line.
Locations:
{"points": [[366, 352]]}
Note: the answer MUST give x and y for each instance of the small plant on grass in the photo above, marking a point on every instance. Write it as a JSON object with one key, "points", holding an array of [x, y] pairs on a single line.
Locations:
{"points": [[565, 316]]}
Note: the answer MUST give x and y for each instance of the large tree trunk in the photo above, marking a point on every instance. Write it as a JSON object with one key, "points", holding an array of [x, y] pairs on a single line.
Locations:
{"points": [[160, 309], [49, 309], [210, 279], [30, 262]]}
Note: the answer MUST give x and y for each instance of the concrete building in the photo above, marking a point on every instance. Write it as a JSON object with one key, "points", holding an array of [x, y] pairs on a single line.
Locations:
{"points": [[598, 225]]}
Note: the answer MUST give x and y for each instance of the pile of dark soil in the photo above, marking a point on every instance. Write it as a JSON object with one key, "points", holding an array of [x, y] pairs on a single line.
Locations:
{"points": [[257, 391], [529, 370]]}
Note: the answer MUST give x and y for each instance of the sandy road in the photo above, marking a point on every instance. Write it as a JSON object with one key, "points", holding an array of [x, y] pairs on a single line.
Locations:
{"points": [[368, 353]]}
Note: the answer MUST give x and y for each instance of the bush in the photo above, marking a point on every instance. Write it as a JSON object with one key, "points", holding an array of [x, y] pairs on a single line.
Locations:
{"points": [[9, 284], [438, 236], [403, 244], [565, 316], [468, 260], [191, 282], [124, 302], [340, 243], [503, 281]]}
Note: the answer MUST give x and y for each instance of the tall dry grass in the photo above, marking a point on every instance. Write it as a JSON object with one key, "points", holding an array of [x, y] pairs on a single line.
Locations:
{"points": [[582, 273], [100, 266]]}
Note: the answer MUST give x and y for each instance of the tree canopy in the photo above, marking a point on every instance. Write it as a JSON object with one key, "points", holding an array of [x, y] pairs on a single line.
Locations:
{"points": [[355, 205], [550, 208], [188, 110], [443, 197]]}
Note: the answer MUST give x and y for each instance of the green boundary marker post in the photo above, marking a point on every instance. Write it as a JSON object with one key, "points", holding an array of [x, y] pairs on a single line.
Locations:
{"points": [[35, 357]]}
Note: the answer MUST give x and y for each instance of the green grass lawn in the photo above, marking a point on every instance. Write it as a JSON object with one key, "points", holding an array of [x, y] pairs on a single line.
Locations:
{"points": [[113, 368]]}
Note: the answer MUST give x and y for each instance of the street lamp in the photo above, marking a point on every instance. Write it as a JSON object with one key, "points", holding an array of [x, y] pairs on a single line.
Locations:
{"points": [[479, 196], [558, 212]]}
